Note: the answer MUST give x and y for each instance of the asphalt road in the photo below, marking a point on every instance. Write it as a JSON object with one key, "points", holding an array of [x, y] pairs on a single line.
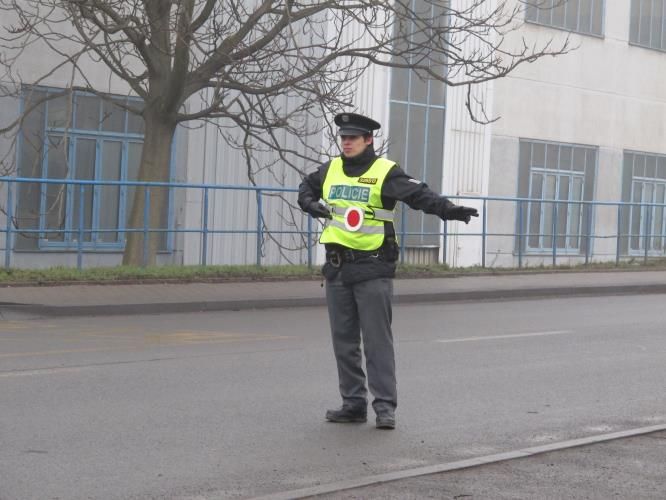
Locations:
{"points": [[231, 405]]}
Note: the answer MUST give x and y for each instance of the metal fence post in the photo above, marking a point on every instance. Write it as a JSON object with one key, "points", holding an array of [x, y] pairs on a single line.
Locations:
{"points": [[79, 251], [619, 235], [520, 234], [146, 222], [483, 237], [259, 230], [648, 232], [8, 233], [403, 216], [590, 236], [554, 233], [204, 244], [309, 241], [445, 241]]}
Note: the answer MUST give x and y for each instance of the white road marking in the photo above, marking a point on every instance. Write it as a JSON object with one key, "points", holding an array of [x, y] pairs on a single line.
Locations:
{"points": [[42, 371], [511, 336]]}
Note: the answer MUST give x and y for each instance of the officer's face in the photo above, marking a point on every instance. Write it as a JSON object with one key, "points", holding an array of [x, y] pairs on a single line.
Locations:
{"points": [[354, 145]]}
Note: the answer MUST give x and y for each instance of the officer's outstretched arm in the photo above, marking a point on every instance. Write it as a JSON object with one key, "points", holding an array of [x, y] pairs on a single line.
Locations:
{"points": [[451, 211]]}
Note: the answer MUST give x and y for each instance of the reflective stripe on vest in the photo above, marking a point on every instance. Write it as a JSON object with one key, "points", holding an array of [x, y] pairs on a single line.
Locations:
{"points": [[373, 213], [341, 192]]}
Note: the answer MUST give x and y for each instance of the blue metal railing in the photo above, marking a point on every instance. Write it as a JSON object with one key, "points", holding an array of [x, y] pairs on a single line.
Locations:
{"points": [[522, 236]]}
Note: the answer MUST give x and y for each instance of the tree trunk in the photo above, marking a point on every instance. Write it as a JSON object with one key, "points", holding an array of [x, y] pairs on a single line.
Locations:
{"points": [[155, 160]]}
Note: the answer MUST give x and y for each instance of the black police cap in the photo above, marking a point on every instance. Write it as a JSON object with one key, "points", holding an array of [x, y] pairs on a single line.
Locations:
{"points": [[355, 124]]}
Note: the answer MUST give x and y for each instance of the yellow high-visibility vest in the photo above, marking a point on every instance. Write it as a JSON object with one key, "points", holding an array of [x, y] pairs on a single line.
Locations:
{"points": [[356, 206]]}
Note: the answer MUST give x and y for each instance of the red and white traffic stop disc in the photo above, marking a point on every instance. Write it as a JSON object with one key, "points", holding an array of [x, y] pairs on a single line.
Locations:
{"points": [[354, 218]]}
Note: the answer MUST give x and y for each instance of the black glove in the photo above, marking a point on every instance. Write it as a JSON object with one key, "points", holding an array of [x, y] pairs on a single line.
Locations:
{"points": [[316, 209], [458, 212]]}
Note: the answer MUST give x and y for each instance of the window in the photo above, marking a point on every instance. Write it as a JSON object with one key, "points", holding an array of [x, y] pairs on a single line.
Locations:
{"points": [[562, 175], [417, 110], [644, 183], [581, 16], [77, 137], [648, 23]]}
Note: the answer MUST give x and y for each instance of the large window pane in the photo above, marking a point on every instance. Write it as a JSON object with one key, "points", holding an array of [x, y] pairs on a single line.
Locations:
{"points": [[87, 112], [562, 210], [659, 217], [639, 166], [85, 170], [59, 112], [110, 195], [538, 155], [657, 21], [398, 130], [55, 206], [548, 211], [571, 19], [566, 157], [597, 16], [559, 13], [113, 117], [552, 156], [535, 211], [661, 168], [637, 198], [135, 123], [578, 163], [646, 17], [576, 213], [416, 163], [650, 167], [133, 162], [635, 20], [585, 16]]}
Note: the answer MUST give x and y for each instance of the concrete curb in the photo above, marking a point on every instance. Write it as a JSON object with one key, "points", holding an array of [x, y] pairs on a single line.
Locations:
{"points": [[272, 303]]}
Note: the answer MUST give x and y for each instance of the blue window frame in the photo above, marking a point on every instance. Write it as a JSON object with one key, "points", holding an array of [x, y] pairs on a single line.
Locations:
{"points": [[562, 175], [645, 183], [79, 137]]}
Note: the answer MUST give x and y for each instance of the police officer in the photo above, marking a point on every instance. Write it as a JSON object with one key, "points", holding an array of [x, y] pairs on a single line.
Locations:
{"points": [[359, 192]]}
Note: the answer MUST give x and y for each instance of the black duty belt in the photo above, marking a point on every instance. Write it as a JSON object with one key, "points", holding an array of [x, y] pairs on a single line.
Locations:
{"points": [[336, 257]]}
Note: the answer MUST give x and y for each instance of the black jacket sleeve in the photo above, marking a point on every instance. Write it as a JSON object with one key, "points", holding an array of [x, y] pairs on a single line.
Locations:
{"points": [[310, 188], [400, 186]]}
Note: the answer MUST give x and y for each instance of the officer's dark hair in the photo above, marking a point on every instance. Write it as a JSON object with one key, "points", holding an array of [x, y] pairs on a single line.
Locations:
{"points": [[368, 135]]}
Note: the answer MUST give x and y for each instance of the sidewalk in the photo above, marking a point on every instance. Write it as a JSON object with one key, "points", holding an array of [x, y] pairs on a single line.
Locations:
{"points": [[96, 300]]}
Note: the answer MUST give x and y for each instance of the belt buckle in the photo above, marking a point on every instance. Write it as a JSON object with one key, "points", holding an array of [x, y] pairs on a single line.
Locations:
{"points": [[348, 255]]}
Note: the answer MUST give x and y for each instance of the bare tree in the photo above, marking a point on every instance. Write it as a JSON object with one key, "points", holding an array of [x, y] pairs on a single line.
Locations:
{"points": [[259, 69]]}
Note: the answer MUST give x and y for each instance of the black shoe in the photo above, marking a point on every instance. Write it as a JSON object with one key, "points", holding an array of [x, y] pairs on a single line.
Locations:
{"points": [[386, 419], [347, 414]]}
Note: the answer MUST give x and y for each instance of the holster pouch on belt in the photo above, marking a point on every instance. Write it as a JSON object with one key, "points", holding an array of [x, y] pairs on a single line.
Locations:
{"points": [[390, 251], [333, 263]]}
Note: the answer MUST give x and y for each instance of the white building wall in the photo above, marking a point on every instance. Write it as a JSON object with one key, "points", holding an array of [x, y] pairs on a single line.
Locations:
{"points": [[466, 159], [606, 93], [212, 161]]}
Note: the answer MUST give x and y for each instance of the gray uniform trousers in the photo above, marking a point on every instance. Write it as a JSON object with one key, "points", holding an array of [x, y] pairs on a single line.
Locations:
{"points": [[363, 309]]}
